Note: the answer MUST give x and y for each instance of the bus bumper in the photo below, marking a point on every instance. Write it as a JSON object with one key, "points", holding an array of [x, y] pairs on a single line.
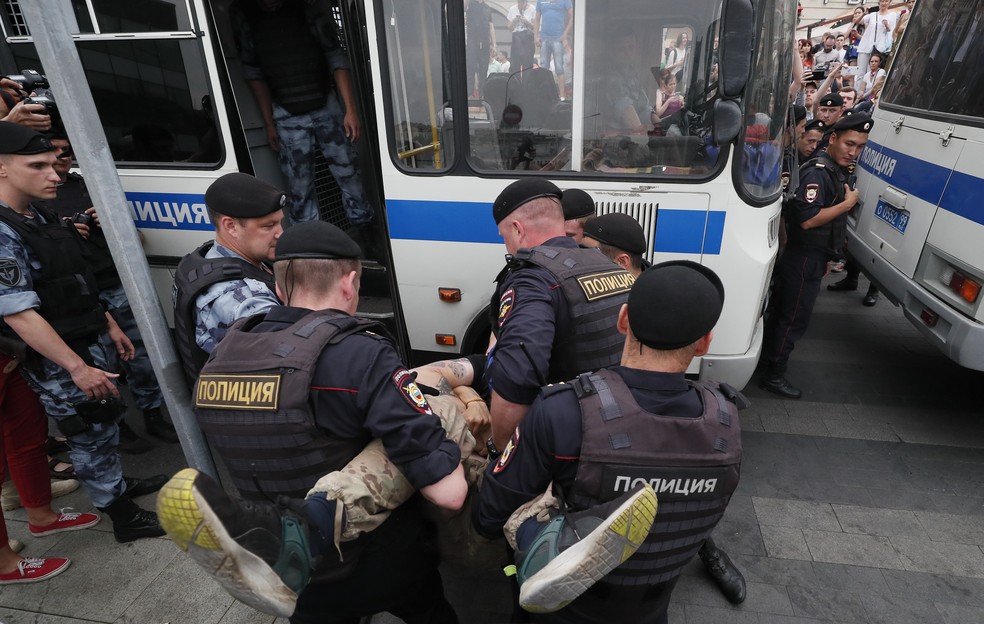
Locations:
{"points": [[959, 338], [734, 369]]}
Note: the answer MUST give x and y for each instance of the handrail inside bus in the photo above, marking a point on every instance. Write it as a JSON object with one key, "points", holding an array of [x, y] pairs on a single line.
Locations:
{"points": [[410, 153]]}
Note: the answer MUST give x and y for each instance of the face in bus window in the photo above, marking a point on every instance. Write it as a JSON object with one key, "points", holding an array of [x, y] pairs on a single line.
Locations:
{"points": [[256, 239], [846, 146], [30, 176]]}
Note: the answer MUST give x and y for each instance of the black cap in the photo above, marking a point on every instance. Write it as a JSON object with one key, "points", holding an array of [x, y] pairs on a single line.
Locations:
{"points": [[853, 120], [243, 196], [618, 230], [675, 303], [521, 192], [316, 239], [816, 124], [18, 139], [576, 204], [831, 99], [799, 113]]}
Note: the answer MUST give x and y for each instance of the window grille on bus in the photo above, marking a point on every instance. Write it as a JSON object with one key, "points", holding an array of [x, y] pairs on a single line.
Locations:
{"points": [[643, 212], [329, 195], [16, 25]]}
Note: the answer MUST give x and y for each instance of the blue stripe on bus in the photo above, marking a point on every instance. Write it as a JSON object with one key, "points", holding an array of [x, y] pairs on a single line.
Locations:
{"points": [[953, 191], [677, 231]]}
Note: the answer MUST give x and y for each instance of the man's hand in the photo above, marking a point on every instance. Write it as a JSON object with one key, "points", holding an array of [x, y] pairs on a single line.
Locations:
{"points": [[94, 382], [352, 126], [273, 138], [851, 195], [124, 348], [30, 115]]}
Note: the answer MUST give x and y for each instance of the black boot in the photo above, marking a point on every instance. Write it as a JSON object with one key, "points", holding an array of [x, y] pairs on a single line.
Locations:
{"points": [[158, 427], [775, 382], [141, 487], [130, 522], [130, 442], [847, 284], [871, 298], [726, 576]]}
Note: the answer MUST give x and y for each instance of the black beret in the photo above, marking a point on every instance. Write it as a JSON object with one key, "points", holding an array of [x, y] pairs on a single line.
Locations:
{"points": [[576, 204], [831, 99], [243, 196], [816, 124], [853, 120], [675, 303], [521, 192], [799, 113], [316, 239], [18, 139], [618, 230]]}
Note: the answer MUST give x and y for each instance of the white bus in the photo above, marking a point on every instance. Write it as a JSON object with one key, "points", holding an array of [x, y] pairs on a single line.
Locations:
{"points": [[435, 152], [920, 232]]}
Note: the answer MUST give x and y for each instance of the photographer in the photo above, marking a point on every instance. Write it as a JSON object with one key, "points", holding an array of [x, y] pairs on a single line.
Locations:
{"points": [[48, 302], [17, 105]]}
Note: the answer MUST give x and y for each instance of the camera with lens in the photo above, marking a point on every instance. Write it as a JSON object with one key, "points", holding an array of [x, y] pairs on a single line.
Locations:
{"points": [[83, 218], [46, 99], [820, 71], [30, 80]]}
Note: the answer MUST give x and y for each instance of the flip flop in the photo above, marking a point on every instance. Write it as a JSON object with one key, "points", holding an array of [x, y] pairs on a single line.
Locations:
{"points": [[64, 473]]}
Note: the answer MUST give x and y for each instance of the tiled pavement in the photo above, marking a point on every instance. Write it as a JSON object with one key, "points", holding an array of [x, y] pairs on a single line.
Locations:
{"points": [[863, 502]]}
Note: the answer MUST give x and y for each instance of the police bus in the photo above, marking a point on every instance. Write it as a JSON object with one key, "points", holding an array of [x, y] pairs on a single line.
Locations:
{"points": [[438, 145], [919, 233]]}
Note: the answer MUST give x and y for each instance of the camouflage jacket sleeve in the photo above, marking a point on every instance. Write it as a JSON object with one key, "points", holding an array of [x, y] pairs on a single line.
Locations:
{"points": [[225, 303], [16, 262]]}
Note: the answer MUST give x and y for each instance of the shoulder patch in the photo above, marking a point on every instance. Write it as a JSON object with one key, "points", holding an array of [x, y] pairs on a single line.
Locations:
{"points": [[507, 454], [10, 272], [404, 381], [812, 190], [506, 304]]}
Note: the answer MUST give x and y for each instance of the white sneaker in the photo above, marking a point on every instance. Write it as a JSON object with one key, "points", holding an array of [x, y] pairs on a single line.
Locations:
{"points": [[10, 498]]}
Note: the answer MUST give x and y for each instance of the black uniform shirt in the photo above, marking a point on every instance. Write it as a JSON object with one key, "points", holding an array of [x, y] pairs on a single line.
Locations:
{"points": [[532, 311], [817, 190], [547, 444], [360, 389]]}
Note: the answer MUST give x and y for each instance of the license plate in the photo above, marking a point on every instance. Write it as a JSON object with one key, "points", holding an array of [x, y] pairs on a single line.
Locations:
{"points": [[891, 215]]}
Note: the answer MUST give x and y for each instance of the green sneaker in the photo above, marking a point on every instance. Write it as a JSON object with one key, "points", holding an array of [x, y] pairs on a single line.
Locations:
{"points": [[258, 552], [573, 551]]}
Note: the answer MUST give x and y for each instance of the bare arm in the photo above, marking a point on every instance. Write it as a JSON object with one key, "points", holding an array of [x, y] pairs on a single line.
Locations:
{"points": [[506, 416], [449, 492], [797, 82], [261, 93], [40, 336], [446, 375], [824, 87], [353, 127]]}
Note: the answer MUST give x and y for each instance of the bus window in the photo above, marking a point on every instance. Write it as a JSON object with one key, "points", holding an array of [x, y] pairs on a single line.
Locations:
{"points": [[152, 97], [939, 68], [760, 159], [128, 16], [422, 123]]}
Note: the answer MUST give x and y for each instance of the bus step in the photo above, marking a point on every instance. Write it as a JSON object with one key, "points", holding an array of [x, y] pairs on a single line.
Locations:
{"points": [[375, 308]]}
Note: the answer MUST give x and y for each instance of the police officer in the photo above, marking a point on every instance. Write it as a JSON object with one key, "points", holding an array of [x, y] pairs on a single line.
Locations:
{"points": [[554, 306], [601, 435], [578, 207], [298, 71], [74, 202], [830, 109], [288, 396], [620, 237], [817, 226], [48, 300], [229, 278]]}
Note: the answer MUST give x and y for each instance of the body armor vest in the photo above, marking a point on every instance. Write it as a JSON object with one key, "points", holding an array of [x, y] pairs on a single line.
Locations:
{"points": [[290, 57], [830, 236], [195, 274], [67, 290], [594, 288], [252, 401], [692, 463], [74, 197]]}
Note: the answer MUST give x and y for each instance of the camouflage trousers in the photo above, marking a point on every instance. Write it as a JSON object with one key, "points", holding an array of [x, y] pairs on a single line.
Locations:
{"points": [[93, 452], [140, 377], [299, 136]]}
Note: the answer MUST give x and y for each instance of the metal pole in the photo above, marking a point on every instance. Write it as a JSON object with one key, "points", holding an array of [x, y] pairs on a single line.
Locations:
{"points": [[49, 24]]}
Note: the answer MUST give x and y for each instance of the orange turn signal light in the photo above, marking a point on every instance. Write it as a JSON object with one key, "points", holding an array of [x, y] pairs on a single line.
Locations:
{"points": [[451, 295], [446, 340]]}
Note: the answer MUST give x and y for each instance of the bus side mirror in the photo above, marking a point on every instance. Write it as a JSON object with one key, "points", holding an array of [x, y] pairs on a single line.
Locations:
{"points": [[727, 121], [737, 44]]}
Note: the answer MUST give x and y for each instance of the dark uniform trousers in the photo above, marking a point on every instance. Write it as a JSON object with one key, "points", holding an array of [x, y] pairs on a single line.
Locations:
{"points": [[797, 284]]}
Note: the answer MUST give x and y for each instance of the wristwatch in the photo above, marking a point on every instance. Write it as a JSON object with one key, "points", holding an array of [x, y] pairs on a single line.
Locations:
{"points": [[494, 453]]}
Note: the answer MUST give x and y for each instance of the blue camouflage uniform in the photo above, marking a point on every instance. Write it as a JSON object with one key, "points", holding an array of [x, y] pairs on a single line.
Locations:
{"points": [[140, 376], [226, 302], [300, 133], [92, 452]]}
